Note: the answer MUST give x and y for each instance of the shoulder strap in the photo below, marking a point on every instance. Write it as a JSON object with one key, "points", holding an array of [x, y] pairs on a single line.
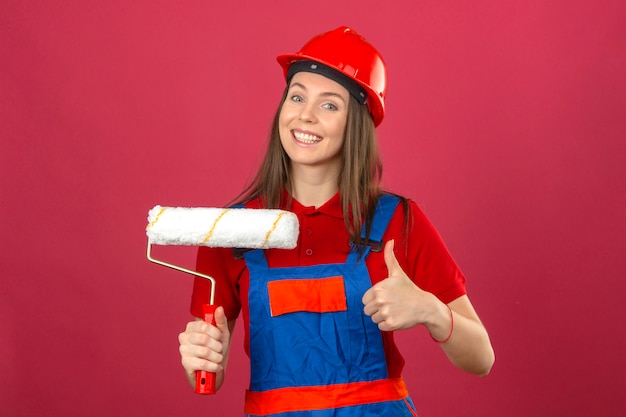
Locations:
{"points": [[385, 209], [239, 252]]}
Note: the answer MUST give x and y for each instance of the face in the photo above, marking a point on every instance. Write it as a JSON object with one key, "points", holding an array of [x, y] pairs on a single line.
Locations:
{"points": [[312, 121]]}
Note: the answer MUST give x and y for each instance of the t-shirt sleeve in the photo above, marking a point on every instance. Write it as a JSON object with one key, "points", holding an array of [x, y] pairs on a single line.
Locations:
{"points": [[427, 260], [220, 264]]}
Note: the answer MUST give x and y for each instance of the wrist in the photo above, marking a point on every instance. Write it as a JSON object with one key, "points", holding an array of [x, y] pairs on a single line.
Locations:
{"points": [[442, 327]]}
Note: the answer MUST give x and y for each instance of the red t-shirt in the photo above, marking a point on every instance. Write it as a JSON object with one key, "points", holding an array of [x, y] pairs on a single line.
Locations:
{"points": [[323, 239]]}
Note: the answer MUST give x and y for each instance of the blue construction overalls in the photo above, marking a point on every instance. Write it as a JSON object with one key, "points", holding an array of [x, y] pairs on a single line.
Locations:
{"points": [[314, 352]]}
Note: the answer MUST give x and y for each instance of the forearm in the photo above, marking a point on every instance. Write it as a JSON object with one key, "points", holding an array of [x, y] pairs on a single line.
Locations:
{"points": [[468, 346]]}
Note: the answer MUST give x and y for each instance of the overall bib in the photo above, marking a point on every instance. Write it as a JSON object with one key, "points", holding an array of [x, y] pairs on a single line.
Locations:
{"points": [[314, 352]]}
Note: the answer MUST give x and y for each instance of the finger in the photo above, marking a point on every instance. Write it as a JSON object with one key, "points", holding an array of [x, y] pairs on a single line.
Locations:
{"points": [[199, 333], [369, 309], [367, 297], [383, 326], [377, 317], [196, 326], [200, 345], [393, 267], [196, 359]]}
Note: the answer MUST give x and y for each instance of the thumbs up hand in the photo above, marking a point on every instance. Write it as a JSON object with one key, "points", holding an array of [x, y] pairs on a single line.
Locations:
{"points": [[396, 302]]}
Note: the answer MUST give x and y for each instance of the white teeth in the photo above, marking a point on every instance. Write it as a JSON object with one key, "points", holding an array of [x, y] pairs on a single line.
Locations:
{"points": [[306, 137]]}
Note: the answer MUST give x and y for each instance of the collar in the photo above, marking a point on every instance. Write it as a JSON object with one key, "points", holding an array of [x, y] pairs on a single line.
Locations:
{"points": [[331, 208]]}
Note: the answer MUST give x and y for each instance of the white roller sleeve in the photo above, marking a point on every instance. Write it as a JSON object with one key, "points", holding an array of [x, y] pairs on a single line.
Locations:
{"points": [[222, 227]]}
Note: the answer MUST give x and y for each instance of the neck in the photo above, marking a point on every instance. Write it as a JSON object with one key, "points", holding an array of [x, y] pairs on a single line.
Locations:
{"points": [[313, 187]]}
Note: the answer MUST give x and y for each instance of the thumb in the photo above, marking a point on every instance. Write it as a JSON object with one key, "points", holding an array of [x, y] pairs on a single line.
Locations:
{"points": [[220, 320], [393, 266]]}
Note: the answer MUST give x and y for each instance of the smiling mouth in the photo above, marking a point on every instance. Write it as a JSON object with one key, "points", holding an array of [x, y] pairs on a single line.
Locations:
{"points": [[306, 137]]}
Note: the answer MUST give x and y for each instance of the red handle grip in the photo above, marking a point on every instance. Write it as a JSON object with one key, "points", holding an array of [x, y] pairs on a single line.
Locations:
{"points": [[205, 381]]}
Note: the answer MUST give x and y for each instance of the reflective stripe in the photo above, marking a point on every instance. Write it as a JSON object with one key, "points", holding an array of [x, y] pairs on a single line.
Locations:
{"points": [[409, 406], [284, 400]]}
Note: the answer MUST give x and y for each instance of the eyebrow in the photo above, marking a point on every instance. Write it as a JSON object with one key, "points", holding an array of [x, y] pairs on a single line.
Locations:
{"points": [[324, 94]]}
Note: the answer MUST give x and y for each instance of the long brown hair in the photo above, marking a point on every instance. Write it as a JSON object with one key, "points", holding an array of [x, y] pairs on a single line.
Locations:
{"points": [[359, 179]]}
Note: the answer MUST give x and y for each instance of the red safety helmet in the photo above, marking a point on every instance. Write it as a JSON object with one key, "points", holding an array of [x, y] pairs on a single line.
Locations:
{"points": [[346, 51]]}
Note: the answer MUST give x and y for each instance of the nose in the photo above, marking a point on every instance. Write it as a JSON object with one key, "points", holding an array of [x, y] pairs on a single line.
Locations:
{"points": [[307, 114]]}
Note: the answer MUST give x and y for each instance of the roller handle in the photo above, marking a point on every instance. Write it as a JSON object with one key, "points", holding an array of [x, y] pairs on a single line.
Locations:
{"points": [[205, 381]]}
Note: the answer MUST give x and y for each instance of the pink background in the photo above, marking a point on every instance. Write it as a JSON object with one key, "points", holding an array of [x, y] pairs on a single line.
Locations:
{"points": [[506, 123]]}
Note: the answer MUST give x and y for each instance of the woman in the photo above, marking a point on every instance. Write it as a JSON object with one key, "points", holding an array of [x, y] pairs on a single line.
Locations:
{"points": [[319, 319]]}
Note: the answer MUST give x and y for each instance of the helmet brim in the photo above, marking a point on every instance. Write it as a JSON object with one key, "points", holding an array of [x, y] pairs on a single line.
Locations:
{"points": [[374, 101]]}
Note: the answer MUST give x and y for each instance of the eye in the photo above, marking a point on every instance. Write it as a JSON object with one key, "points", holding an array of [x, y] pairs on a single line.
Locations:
{"points": [[297, 98], [329, 106]]}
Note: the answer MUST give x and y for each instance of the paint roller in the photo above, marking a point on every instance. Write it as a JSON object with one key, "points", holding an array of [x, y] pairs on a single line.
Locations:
{"points": [[218, 227]]}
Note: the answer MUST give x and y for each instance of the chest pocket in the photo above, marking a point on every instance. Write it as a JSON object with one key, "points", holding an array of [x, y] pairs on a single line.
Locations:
{"points": [[317, 295]]}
